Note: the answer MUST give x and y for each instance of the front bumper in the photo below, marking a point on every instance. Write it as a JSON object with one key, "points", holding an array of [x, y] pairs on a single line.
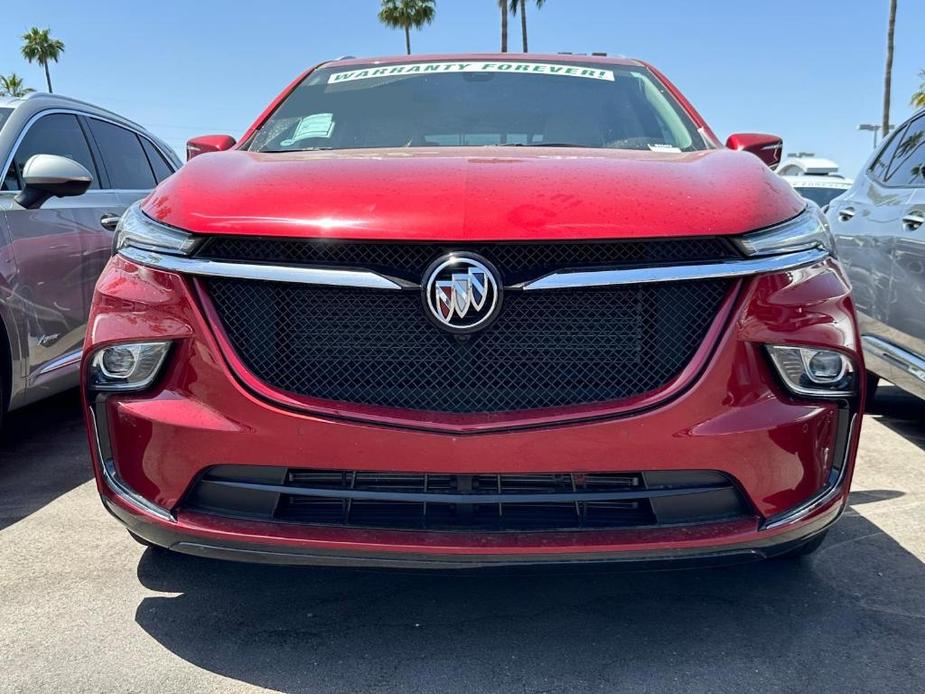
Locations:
{"points": [[791, 458], [721, 544]]}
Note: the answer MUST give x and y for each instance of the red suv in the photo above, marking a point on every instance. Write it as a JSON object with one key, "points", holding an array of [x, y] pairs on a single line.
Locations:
{"points": [[475, 310]]}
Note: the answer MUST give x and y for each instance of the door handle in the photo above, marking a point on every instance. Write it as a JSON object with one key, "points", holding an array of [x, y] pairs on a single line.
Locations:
{"points": [[110, 221], [845, 214], [913, 220]]}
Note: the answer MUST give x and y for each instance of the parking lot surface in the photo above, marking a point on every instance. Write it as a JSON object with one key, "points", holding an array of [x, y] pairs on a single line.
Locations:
{"points": [[84, 608]]}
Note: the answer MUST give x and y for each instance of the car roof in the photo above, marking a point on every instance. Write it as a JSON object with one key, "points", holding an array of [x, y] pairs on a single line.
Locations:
{"points": [[500, 57], [40, 101], [26, 107]]}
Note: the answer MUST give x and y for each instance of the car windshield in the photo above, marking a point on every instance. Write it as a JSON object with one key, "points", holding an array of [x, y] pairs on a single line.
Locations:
{"points": [[820, 196], [4, 114], [479, 103]]}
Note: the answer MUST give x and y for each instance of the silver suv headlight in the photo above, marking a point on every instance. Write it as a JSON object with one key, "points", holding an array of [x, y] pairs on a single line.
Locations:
{"points": [[137, 230], [806, 231]]}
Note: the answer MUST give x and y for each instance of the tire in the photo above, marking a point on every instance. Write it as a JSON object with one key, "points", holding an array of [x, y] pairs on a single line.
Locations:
{"points": [[806, 548], [873, 380]]}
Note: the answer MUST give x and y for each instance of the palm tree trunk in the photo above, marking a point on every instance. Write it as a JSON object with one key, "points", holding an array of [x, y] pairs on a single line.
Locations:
{"points": [[503, 26], [408, 39], [523, 21], [48, 77], [888, 75]]}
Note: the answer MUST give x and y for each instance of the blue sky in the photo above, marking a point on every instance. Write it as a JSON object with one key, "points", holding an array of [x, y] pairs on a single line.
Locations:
{"points": [[808, 70]]}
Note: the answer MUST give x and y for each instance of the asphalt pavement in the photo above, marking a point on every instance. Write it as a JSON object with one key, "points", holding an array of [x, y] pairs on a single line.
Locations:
{"points": [[83, 608]]}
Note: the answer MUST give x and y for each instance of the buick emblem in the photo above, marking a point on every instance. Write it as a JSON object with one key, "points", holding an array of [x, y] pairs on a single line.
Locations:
{"points": [[462, 292]]}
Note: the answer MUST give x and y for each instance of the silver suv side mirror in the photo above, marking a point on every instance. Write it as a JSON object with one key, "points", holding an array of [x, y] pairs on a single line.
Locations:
{"points": [[49, 175]]}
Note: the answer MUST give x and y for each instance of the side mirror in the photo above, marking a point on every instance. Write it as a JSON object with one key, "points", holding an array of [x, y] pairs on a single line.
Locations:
{"points": [[51, 176], [766, 147], [208, 143]]}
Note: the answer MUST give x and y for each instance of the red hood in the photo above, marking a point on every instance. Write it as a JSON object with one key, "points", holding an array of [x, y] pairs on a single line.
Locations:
{"points": [[468, 194]]}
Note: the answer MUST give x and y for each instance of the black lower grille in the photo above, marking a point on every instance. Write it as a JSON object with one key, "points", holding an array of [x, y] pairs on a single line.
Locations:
{"points": [[517, 262], [486, 502], [546, 349]]}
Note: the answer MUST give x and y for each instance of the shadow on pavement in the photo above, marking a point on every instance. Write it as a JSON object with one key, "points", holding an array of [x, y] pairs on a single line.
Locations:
{"points": [[901, 412], [870, 496], [814, 625], [43, 454]]}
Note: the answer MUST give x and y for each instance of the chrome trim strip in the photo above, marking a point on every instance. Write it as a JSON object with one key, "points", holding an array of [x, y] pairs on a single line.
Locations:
{"points": [[61, 362], [806, 509], [366, 279], [676, 273], [801, 512], [363, 279], [114, 480], [900, 358], [832, 489]]}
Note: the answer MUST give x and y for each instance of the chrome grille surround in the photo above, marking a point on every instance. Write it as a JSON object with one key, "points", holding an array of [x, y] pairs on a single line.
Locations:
{"points": [[634, 313]]}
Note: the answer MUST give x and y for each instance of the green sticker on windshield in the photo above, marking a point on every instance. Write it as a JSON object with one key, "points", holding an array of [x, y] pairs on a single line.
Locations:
{"points": [[558, 69], [315, 125]]}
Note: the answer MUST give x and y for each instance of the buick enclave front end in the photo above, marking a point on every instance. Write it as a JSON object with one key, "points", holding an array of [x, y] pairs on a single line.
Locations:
{"points": [[463, 311]]}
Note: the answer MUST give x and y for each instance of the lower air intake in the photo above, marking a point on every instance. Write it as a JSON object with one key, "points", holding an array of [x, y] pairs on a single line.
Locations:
{"points": [[482, 502]]}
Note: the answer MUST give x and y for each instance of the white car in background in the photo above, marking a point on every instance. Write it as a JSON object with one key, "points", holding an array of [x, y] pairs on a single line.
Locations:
{"points": [[814, 178], [820, 189]]}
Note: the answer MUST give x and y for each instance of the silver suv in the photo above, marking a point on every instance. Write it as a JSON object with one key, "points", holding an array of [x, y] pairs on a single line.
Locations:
{"points": [[879, 227], [69, 171]]}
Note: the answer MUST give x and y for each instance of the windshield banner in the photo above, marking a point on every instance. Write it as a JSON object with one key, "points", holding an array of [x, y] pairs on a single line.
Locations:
{"points": [[477, 66]]}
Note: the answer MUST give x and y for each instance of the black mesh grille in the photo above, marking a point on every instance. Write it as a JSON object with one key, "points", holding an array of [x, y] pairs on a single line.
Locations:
{"points": [[546, 349], [517, 262]]}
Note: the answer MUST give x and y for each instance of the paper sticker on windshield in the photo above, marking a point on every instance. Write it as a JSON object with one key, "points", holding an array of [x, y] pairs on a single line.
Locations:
{"points": [[563, 70], [315, 125], [665, 148]]}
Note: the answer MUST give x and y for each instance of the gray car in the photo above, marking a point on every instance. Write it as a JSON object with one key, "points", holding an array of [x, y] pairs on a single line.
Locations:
{"points": [[879, 226], [69, 171]]}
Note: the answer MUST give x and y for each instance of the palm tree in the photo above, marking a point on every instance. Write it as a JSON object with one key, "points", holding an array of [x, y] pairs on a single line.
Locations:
{"points": [[13, 86], [405, 14], [39, 47], [503, 6], [888, 75], [918, 97], [521, 5]]}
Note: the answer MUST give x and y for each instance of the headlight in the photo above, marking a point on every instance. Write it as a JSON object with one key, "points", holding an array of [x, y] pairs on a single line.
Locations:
{"points": [[804, 232], [128, 366], [814, 372], [137, 230]]}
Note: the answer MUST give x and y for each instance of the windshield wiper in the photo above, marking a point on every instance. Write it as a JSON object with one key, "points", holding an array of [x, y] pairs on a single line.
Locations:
{"points": [[302, 149]]}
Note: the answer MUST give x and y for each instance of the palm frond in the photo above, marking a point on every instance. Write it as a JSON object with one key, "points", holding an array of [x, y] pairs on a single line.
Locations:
{"points": [[400, 14], [38, 46], [918, 96]]}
